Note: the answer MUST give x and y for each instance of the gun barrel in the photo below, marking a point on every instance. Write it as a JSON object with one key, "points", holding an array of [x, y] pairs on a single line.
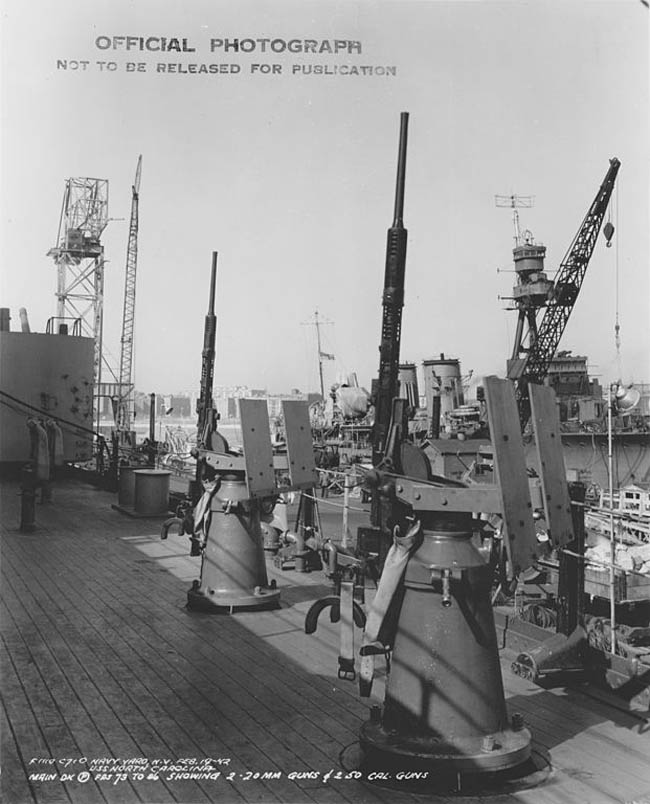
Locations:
{"points": [[387, 385], [398, 218], [209, 332], [213, 281], [205, 403]]}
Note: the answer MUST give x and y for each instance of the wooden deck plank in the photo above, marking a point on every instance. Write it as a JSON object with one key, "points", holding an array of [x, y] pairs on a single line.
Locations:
{"points": [[581, 746], [58, 723], [67, 682], [150, 655], [285, 689], [160, 703], [599, 749], [223, 628], [31, 730], [599, 780], [256, 659], [98, 732], [107, 599], [266, 714], [613, 729], [583, 709], [287, 632], [14, 788], [275, 747], [288, 718]]}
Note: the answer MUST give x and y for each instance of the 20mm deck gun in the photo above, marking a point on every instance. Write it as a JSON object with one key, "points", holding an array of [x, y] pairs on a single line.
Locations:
{"points": [[387, 385]]}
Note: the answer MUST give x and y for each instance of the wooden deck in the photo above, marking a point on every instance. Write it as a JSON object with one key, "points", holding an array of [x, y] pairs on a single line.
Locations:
{"points": [[113, 691]]}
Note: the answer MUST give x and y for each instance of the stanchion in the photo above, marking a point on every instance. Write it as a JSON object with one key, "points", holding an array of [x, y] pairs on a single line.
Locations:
{"points": [[347, 484], [28, 485]]}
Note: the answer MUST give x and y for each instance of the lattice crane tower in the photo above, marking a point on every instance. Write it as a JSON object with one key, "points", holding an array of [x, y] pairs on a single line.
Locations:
{"points": [[128, 317], [79, 259]]}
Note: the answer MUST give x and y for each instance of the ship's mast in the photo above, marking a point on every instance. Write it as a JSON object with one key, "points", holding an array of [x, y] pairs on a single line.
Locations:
{"points": [[515, 202], [321, 354], [533, 287]]}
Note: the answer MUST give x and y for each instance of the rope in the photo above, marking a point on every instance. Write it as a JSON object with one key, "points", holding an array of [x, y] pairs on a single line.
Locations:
{"points": [[538, 614], [339, 474], [327, 501], [47, 414]]}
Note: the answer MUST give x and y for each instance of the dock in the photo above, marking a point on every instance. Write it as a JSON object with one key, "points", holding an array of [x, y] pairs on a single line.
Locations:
{"points": [[114, 691]]}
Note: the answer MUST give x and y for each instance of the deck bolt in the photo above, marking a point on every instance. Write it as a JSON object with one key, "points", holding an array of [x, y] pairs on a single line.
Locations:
{"points": [[488, 743], [517, 721]]}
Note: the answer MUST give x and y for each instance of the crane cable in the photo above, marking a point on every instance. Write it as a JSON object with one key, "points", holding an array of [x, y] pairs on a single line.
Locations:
{"points": [[617, 325]]}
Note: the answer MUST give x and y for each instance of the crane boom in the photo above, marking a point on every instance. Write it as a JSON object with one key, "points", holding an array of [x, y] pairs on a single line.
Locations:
{"points": [[567, 284], [128, 317]]}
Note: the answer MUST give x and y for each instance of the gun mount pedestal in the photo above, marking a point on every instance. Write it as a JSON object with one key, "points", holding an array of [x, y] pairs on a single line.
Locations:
{"points": [[233, 569], [222, 514], [226, 528], [444, 718], [444, 710]]}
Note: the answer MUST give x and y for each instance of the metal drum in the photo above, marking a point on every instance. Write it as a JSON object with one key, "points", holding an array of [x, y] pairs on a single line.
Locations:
{"points": [[126, 487], [151, 491]]}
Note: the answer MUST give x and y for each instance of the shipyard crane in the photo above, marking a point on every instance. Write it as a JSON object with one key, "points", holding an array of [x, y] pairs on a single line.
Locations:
{"points": [[79, 259], [125, 405], [566, 287]]}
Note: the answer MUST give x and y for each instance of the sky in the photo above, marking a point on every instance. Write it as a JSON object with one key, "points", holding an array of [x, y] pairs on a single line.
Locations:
{"points": [[291, 177]]}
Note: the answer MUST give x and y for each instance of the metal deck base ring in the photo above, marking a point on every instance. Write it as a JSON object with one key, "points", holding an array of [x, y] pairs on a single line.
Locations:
{"points": [[260, 598], [536, 770], [495, 752]]}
